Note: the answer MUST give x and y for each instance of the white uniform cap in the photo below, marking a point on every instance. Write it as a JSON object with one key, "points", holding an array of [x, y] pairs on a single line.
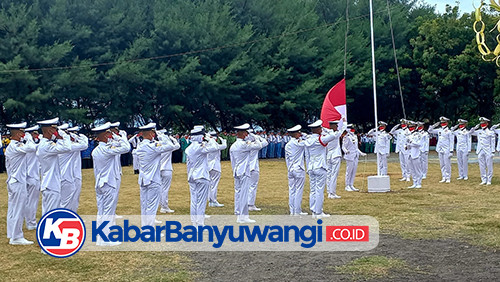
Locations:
{"points": [[49, 122], [444, 119], [63, 126], [380, 123], [103, 127], [162, 131], [295, 128], [197, 131], [350, 125], [403, 121], [462, 121], [198, 127], [483, 119], [245, 126], [212, 132], [317, 123], [33, 128], [74, 129], [420, 123], [21, 125], [149, 126], [115, 124]]}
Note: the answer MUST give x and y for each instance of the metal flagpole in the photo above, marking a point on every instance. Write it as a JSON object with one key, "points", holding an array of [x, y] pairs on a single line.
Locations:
{"points": [[373, 73]]}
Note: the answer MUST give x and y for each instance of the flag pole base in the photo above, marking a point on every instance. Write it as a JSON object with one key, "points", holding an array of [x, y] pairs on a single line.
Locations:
{"points": [[379, 183]]}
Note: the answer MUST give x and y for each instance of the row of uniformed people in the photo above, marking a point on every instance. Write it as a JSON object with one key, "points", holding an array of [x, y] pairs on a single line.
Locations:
{"points": [[49, 164]]}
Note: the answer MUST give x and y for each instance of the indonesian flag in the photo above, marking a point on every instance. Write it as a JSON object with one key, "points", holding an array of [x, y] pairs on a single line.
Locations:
{"points": [[334, 106]]}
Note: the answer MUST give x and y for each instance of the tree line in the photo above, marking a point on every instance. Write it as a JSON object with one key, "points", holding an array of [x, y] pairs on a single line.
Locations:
{"points": [[224, 62]]}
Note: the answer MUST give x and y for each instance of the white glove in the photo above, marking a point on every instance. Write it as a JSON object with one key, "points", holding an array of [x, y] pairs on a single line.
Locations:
{"points": [[62, 133], [363, 154]]}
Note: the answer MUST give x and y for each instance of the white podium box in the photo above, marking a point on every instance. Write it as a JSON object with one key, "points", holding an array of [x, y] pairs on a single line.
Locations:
{"points": [[379, 183]]}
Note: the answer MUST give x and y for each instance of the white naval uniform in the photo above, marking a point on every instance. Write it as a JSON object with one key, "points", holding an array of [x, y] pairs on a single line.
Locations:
{"points": [[15, 162], [414, 143], [401, 136], [485, 151], [215, 170], [166, 168], [68, 164], [149, 156], [294, 157], [48, 155], [424, 156], [333, 160], [33, 187], [198, 176], [240, 152], [351, 156], [382, 149], [444, 148], [254, 168], [106, 178], [315, 153], [464, 144], [134, 141], [118, 140], [77, 172]]}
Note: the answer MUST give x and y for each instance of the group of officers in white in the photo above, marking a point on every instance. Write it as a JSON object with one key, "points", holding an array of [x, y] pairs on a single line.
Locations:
{"points": [[50, 163]]}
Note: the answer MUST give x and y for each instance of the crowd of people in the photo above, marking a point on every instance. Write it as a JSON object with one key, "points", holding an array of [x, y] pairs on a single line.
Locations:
{"points": [[49, 163]]}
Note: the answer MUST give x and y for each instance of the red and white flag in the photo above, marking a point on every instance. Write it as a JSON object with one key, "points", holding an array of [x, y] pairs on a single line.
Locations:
{"points": [[334, 106]]}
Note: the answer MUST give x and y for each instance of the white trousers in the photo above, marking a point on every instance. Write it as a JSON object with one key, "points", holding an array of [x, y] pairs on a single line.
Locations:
{"points": [[241, 188], [106, 209], [68, 190], [31, 207], [382, 163], [424, 159], [332, 175], [463, 163], [403, 161], [317, 181], [445, 163], [150, 199], [166, 181], [296, 181], [350, 171], [485, 165], [17, 195], [199, 194], [214, 185], [416, 170], [116, 192], [50, 200], [254, 182], [135, 160]]}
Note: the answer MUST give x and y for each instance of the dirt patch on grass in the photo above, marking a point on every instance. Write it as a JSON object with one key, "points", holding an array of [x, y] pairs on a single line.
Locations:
{"points": [[445, 259]]}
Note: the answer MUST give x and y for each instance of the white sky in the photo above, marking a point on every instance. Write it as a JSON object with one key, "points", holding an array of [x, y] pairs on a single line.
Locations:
{"points": [[465, 5]]}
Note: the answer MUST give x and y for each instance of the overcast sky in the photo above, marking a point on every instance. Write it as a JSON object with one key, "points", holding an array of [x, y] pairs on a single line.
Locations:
{"points": [[465, 5]]}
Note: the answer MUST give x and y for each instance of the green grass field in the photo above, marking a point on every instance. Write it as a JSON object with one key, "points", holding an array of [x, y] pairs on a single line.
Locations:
{"points": [[460, 210]]}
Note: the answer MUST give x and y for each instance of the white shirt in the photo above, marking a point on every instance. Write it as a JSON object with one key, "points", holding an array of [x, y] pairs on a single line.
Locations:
{"points": [[149, 155], [116, 141], [68, 161], [415, 144], [104, 158], [254, 154], [446, 139], [294, 155], [240, 155], [401, 136], [48, 154], [15, 160], [425, 141], [214, 157], [197, 158], [382, 141], [333, 146], [485, 140], [350, 147], [166, 157], [464, 139], [33, 165], [315, 152]]}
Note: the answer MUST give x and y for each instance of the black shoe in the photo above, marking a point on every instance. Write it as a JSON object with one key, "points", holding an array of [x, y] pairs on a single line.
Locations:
{"points": [[136, 171]]}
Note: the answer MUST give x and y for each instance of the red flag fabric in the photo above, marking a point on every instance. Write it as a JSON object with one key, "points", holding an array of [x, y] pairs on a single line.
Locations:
{"points": [[334, 106]]}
